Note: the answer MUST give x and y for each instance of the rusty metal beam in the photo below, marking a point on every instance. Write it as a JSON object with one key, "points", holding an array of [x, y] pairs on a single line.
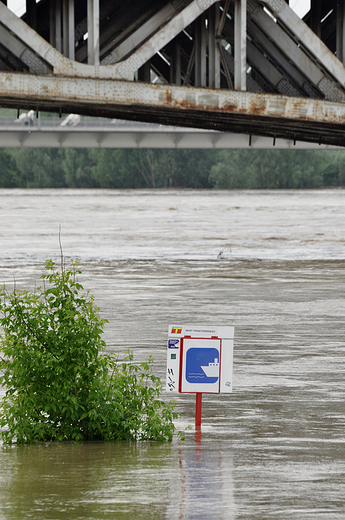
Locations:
{"points": [[298, 119]]}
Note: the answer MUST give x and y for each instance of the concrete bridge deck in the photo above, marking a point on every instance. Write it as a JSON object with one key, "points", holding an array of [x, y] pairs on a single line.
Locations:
{"points": [[249, 67], [54, 132]]}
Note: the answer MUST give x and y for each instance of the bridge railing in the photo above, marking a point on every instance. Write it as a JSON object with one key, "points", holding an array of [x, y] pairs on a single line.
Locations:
{"points": [[82, 122]]}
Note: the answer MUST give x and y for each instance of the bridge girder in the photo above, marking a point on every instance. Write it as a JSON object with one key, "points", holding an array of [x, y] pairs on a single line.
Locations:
{"points": [[274, 58], [286, 117]]}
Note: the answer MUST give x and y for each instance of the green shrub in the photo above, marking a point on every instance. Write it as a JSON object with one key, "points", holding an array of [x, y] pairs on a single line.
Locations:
{"points": [[59, 382]]}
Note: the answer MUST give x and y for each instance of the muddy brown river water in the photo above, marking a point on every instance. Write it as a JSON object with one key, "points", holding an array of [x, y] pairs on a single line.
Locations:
{"points": [[269, 263]]}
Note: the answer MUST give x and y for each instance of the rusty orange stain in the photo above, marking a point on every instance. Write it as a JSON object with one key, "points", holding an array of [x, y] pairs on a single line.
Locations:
{"points": [[168, 97]]}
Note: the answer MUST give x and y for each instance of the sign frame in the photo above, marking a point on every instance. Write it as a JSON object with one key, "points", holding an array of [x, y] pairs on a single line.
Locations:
{"points": [[179, 337]]}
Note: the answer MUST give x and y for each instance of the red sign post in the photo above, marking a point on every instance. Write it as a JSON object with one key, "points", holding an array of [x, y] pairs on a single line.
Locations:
{"points": [[198, 410]]}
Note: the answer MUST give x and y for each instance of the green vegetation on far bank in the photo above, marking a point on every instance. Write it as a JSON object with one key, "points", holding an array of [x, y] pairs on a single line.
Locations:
{"points": [[132, 168]]}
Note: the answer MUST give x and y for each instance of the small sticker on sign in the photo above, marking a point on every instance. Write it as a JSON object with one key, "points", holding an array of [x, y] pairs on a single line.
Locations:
{"points": [[173, 343]]}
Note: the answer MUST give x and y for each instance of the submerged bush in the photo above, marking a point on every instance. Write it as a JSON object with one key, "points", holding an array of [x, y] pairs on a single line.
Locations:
{"points": [[59, 382]]}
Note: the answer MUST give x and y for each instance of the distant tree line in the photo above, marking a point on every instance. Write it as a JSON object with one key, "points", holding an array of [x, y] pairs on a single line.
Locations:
{"points": [[132, 168]]}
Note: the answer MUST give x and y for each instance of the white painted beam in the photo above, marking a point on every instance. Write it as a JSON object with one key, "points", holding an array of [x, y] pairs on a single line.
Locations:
{"points": [[240, 44], [203, 53], [71, 30], [296, 54], [136, 38], [292, 73], [10, 41], [269, 71], [213, 48], [93, 32], [65, 28], [308, 38], [197, 59]]}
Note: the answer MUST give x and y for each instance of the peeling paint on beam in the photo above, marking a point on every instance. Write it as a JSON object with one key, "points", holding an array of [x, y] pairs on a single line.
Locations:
{"points": [[262, 114]]}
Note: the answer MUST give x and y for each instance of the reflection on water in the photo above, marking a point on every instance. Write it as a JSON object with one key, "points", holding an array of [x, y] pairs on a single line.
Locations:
{"points": [[275, 448], [115, 480], [85, 481], [204, 488]]}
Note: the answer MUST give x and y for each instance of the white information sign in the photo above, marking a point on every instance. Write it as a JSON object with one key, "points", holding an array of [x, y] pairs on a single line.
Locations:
{"points": [[199, 359]]}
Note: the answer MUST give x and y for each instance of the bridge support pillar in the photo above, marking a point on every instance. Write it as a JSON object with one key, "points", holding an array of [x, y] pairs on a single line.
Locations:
{"points": [[71, 30], [240, 43], [55, 24], [207, 53], [213, 49], [200, 52], [93, 32], [68, 29]]}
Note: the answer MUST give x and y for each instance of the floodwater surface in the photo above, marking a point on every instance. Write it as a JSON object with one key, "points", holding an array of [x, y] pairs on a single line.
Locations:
{"points": [[269, 263]]}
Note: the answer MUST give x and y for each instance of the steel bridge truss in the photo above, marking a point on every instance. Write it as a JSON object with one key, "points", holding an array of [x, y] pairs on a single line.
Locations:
{"points": [[246, 66]]}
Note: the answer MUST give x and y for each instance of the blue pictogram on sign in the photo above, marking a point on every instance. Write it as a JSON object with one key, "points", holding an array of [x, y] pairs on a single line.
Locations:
{"points": [[173, 343], [202, 365]]}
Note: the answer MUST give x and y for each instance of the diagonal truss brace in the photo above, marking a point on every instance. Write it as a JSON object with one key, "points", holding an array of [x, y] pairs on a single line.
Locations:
{"points": [[63, 66], [312, 43]]}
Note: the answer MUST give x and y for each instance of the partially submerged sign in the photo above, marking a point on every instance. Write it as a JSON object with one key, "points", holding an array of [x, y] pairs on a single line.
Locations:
{"points": [[199, 359]]}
